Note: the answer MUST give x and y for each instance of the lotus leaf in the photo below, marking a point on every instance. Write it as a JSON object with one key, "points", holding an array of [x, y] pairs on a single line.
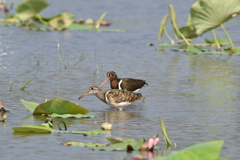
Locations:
{"points": [[93, 132], [83, 144], [209, 14], [192, 49], [120, 140], [45, 128], [56, 105], [188, 32], [162, 27], [29, 8], [62, 21], [32, 129], [220, 41], [206, 150], [29, 105], [128, 145], [114, 147]]}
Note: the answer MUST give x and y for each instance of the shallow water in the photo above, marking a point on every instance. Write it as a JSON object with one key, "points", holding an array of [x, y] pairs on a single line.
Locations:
{"points": [[196, 95]]}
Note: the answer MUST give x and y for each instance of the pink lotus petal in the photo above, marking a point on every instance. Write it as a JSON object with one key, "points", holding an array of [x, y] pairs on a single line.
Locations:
{"points": [[150, 143], [156, 140], [234, 15]]}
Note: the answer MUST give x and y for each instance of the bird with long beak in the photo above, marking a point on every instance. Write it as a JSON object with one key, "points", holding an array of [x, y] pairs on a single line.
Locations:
{"points": [[114, 97], [127, 84]]}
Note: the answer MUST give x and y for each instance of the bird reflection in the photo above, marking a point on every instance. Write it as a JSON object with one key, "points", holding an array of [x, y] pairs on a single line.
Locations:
{"points": [[121, 119]]}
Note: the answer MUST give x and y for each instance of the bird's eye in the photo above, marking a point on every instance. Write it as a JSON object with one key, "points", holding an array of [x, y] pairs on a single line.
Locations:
{"points": [[91, 88]]}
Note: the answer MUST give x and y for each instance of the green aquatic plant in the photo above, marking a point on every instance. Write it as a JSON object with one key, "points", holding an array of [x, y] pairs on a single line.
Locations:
{"points": [[55, 105], [81, 58], [205, 16], [206, 150], [26, 84], [117, 144], [11, 86], [28, 9], [28, 16], [164, 132], [47, 127]]}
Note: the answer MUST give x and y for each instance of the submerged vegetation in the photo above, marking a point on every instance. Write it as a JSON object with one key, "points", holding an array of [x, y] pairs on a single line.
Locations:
{"points": [[205, 16], [28, 16]]}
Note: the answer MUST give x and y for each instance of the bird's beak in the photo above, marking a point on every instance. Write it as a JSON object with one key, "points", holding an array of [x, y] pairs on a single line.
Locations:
{"points": [[84, 95], [107, 79]]}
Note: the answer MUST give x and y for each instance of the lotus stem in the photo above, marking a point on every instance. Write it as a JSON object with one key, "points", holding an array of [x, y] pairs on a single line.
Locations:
{"points": [[228, 36], [215, 39], [100, 20], [165, 31], [41, 20], [181, 35]]}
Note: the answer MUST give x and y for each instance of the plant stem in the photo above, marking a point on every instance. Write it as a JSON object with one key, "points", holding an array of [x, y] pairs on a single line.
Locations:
{"points": [[181, 35], [229, 38], [215, 39], [100, 20], [165, 31]]}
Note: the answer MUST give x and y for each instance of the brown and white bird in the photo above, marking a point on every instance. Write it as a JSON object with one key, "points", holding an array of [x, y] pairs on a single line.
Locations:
{"points": [[114, 97], [127, 84]]}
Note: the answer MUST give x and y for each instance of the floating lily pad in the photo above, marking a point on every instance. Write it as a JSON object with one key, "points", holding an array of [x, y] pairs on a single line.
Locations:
{"points": [[93, 132], [222, 42], [54, 115], [45, 128], [32, 129], [56, 105], [120, 140], [83, 144], [192, 49], [206, 150], [114, 147], [75, 26]]}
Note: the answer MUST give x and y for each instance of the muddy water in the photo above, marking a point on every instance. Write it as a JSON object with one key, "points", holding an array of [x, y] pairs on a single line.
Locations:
{"points": [[196, 95]]}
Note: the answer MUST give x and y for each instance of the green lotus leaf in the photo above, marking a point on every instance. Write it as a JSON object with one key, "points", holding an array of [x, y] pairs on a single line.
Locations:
{"points": [[206, 150], [31, 106], [29, 8], [209, 14], [54, 115], [162, 27], [192, 49], [120, 140], [114, 147], [93, 132], [220, 41], [46, 128], [62, 21], [56, 105], [32, 129], [75, 26], [126, 145], [188, 32], [138, 145], [83, 144]]}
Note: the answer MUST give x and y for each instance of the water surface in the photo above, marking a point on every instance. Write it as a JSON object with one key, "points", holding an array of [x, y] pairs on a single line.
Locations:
{"points": [[196, 95]]}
